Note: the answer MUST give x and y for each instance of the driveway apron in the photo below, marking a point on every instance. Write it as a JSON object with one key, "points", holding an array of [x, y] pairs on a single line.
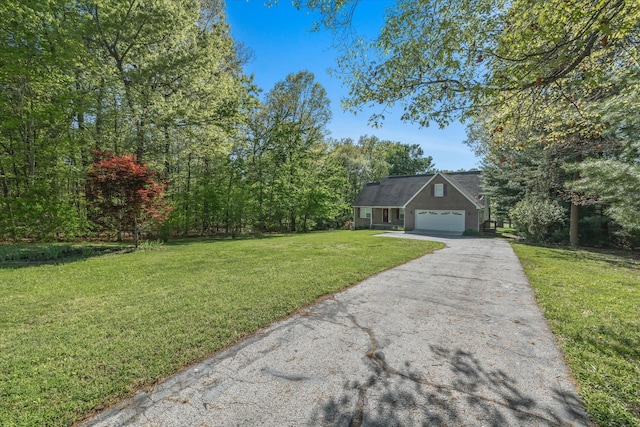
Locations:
{"points": [[453, 338]]}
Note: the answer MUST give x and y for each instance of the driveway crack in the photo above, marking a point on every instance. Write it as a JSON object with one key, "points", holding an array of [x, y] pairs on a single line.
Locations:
{"points": [[376, 356], [381, 368]]}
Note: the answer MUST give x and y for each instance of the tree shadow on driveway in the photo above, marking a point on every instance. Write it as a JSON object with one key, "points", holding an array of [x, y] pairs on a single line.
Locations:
{"points": [[471, 394]]}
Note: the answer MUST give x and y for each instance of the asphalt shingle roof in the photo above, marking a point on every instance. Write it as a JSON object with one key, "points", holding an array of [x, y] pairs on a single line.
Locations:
{"points": [[470, 181], [396, 191]]}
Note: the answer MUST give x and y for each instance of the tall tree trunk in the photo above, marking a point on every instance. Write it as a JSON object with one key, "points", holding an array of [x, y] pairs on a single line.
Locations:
{"points": [[573, 227], [136, 235], [228, 208], [140, 140], [262, 220], [5, 193], [84, 155], [187, 224], [99, 116], [167, 151], [292, 220], [5, 184], [206, 203], [574, 241]]}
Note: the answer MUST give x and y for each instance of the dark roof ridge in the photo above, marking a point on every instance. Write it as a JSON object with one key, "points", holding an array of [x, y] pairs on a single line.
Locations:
{"points": [[410, 176], [476, 172], [462, 173]]}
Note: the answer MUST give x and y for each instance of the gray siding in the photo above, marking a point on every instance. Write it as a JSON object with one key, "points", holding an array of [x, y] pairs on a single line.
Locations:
{"points": [[453, 200]]}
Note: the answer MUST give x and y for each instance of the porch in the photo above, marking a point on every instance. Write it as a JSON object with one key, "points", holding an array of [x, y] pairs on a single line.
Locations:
{"points": [[379, 218]]}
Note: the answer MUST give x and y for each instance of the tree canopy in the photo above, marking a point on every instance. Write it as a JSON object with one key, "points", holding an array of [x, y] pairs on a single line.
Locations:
{"points": [[445, 61]]}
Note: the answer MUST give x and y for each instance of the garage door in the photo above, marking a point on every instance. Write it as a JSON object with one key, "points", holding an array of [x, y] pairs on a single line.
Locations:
{"points": [[440, 220]]}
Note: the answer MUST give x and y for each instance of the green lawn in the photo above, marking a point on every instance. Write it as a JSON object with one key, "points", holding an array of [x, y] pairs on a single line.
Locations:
{"points": [[592, 303], [501, 231], [84, 333]]}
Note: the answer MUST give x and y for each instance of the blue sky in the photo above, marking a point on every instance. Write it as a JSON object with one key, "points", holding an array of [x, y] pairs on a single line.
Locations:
{"points": [[281, 43]]}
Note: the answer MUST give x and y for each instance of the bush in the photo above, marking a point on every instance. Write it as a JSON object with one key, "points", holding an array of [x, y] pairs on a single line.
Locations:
{"points": [[594, 230], [626, 239], [535, 218]]}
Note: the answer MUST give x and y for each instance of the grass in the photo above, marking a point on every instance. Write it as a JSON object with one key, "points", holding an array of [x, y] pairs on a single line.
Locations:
{"points": [[592, 303], [501, 231], [81, 335]]}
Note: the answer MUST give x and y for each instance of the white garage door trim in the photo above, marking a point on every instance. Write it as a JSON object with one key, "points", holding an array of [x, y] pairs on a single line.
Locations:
{"points": [[440, 220]]}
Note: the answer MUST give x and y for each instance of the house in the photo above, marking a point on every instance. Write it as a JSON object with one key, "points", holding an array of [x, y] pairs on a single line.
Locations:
{"points": [[451, 202]]}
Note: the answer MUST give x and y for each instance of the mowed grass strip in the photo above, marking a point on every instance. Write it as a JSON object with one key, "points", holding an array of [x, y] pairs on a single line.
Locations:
{"points": [[82, 335], [592, 303]]}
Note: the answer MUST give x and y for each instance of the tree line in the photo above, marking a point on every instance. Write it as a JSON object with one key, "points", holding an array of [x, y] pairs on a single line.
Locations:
{"points": [[548, 90], [160, 84]]}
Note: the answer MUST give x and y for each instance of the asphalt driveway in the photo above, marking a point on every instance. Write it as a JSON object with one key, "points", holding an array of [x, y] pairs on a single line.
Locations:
{"points": [[452, 338]]}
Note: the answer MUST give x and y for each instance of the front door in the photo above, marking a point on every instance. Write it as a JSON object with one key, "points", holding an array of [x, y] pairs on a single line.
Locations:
{"points": [[385, 215]]}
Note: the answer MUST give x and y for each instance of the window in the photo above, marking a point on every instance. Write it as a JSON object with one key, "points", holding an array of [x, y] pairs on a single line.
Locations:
{"points": [[365, 212], [438, 190], [401, 214]]}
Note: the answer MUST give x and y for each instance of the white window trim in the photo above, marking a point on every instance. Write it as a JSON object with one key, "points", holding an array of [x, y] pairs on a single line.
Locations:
{"points": [[438, 190], [365, 213]]}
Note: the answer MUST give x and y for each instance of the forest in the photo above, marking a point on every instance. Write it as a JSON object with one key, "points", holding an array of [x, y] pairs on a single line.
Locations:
{"points": [[549, 92], [135, 116]]}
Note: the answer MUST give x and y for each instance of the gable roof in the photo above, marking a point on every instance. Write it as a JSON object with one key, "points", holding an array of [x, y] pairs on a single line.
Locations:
{"points": [[470, 181], [397, 191], [392, 191]]}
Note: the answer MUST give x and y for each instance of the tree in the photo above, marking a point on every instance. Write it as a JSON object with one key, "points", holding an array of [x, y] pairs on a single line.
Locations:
{"points": [[171, 64], [534, 217], [374, 151], [532, 153], [507, 180], [161, 79], [124, 194], [171, 88], [405, 159], [322, 197], [445, 61], [614, 184], [287, 139], [613, 178], [38, 55]]}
